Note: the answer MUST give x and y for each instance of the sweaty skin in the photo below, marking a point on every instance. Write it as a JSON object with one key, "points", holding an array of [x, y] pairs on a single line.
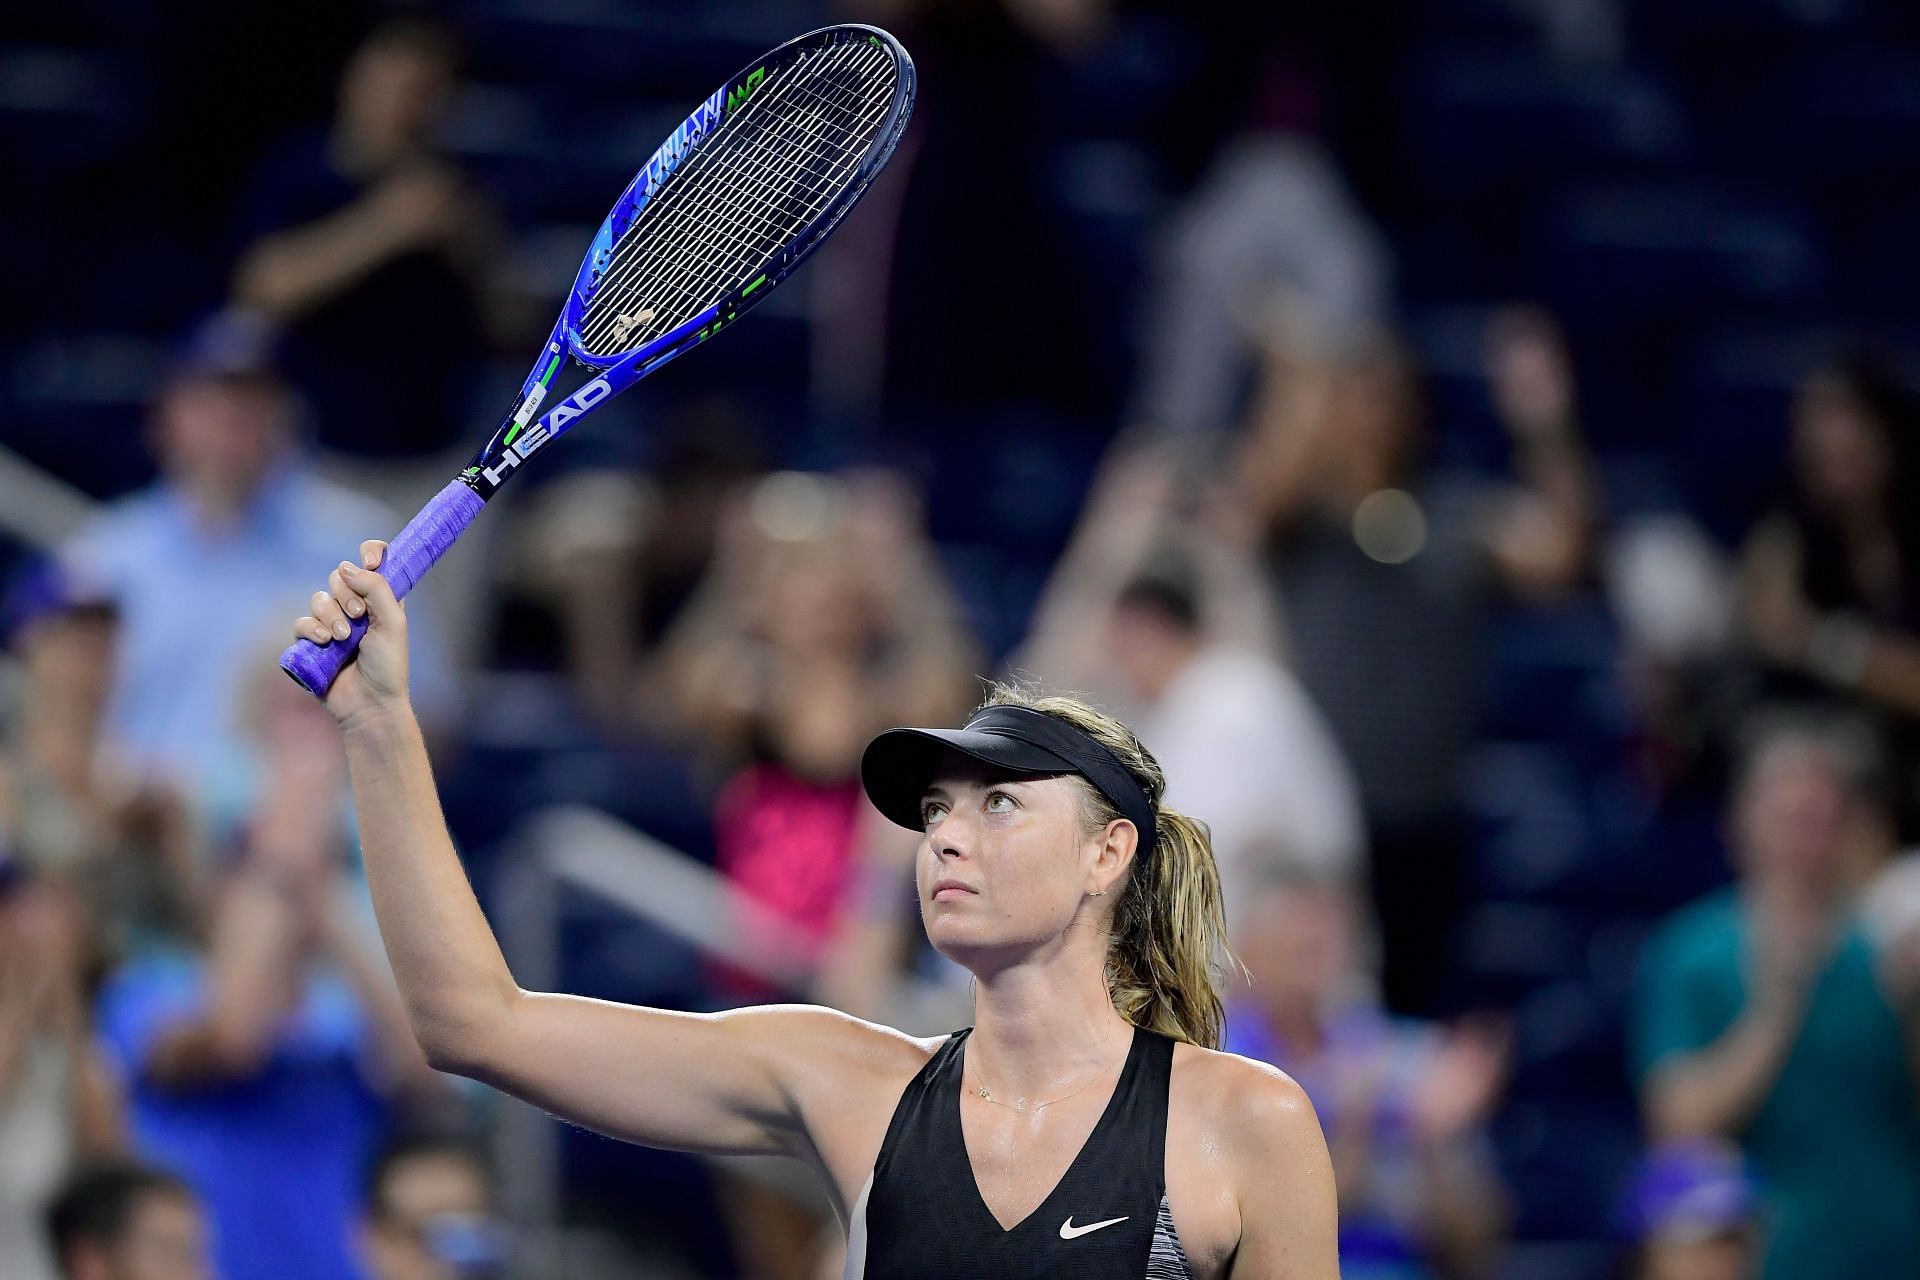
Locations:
{"points": [[1250, 1185]]}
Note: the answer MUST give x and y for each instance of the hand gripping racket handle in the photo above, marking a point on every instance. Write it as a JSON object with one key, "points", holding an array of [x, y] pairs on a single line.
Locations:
{"points": [[409, 556]]}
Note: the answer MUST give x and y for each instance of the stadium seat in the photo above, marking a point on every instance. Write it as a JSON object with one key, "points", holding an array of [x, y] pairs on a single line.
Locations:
{"points": [[1499, 124]]}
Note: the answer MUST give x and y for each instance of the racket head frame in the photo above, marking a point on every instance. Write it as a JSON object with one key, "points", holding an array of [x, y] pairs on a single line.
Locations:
{"points": [[520, 434]]}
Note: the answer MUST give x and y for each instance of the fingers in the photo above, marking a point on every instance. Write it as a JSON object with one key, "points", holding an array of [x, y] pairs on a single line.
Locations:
{"points": [[353, 591], [373, 592], [327, 612], [351, 601]]}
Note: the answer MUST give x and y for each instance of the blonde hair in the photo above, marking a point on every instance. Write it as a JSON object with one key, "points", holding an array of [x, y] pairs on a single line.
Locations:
{"points": [[1169, 924]]}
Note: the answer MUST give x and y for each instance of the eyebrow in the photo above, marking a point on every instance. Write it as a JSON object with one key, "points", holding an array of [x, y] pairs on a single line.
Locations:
{"points": [[936, 791]]}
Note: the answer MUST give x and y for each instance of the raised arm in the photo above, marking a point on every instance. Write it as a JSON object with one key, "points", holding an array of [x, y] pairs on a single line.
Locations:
{"points": [[1540, 540], [290, 272], [745, 1081]]}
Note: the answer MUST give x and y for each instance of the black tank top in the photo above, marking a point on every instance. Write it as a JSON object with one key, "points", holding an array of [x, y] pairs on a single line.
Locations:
{"points": [[921, 1216]]}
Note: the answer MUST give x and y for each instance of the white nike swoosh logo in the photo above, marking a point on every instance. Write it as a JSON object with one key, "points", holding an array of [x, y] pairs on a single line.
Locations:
{"points": [[1069, 1232]]}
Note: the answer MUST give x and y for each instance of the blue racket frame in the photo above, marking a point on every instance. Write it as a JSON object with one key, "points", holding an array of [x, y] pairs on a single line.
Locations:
{"points": [[515, 440], [520, 434]]}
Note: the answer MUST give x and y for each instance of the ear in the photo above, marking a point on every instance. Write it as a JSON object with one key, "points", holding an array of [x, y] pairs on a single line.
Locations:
{"points": [[1115, 855]]}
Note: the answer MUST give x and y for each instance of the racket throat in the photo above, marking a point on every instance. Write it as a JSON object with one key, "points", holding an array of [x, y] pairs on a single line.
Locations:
{"points": [[521, 435]]}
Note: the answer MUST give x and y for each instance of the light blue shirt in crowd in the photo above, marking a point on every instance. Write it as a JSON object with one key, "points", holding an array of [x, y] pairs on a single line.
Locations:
{"points": [[203, 612]]}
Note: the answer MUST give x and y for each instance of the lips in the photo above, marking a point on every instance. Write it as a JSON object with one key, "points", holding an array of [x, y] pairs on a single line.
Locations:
{"points": [[947, 890]]}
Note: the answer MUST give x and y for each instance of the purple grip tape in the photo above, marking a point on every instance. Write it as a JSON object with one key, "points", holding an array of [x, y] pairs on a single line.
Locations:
{"points": [[409, 556]]}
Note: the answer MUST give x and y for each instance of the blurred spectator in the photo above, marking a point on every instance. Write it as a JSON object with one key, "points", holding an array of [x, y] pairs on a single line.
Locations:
{"points": [[1692, 1213], [128, 1222], [368, 244], [1274, 215], [824, 619], [1760, 1017], [429, 1214], [1404, 1104], [262, 1068], [72, 810], [1831, 598], [235, 502], [602, 560], [1171, 626], [57, 1101], [1671, 589], [1387, 574]]}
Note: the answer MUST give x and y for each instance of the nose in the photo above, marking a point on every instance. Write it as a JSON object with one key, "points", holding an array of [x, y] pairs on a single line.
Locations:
{"points": [[950, 837]]}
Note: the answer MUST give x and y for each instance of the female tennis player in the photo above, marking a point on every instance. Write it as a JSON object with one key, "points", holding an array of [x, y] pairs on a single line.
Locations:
{"points": [[1081, 1128]]}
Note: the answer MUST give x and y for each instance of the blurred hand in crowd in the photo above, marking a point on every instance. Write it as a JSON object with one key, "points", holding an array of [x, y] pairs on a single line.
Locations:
{"points": [[297, 827], [45, 954], [1778, 616], [1464, 1081], [1529, 372], [42, 961], [418, 208]]}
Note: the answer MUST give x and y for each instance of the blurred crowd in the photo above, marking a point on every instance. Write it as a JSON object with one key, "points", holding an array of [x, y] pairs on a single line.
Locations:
{"points": [[1563, 829]]}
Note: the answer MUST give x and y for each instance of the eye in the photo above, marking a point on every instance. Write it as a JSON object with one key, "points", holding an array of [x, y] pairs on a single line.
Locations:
{"points": [[931, 811], [1001, 802]]}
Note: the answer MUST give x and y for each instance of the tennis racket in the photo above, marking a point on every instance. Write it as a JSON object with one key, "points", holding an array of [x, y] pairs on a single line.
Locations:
{"points": [[730, 204]]}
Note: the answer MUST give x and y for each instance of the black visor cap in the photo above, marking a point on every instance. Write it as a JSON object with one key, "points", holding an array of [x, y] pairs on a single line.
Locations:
{"points": [[900, 764]]}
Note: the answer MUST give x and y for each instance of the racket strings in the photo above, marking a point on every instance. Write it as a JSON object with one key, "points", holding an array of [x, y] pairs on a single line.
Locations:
{"points": [[743, 197], [760, 160], [757, 164], [756, 233]]}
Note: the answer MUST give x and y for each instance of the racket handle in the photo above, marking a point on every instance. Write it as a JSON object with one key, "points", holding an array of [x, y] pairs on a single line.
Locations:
{"points": [[409, 556]]}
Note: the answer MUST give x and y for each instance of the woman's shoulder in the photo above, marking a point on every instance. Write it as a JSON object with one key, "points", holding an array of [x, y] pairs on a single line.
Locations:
{"points": [[1250, 1101], [1243, 1147]]}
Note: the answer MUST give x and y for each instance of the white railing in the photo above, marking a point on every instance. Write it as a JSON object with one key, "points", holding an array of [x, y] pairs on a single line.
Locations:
{"points": [[37, 507]]}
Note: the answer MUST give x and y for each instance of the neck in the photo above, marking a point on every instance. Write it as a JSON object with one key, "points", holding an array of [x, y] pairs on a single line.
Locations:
{"points": [[1046, 1023], [217, 506]]}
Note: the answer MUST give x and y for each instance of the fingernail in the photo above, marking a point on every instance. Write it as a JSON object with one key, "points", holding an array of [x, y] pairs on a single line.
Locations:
{"points": [[347, 566], [341, 629]]}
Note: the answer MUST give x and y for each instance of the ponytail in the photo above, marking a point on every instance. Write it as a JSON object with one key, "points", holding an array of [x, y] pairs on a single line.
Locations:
{"points": [[1169, 924]]}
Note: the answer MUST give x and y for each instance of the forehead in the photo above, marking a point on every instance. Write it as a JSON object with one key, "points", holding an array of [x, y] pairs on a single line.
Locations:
{"points": [[956, 769]]}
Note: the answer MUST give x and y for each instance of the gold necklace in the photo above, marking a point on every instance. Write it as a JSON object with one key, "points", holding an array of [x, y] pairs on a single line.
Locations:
{"points": [[1020, 1105]]}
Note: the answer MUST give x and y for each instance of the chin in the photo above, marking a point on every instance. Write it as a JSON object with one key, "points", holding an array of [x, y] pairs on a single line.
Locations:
{"points": [[974, 939]]}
